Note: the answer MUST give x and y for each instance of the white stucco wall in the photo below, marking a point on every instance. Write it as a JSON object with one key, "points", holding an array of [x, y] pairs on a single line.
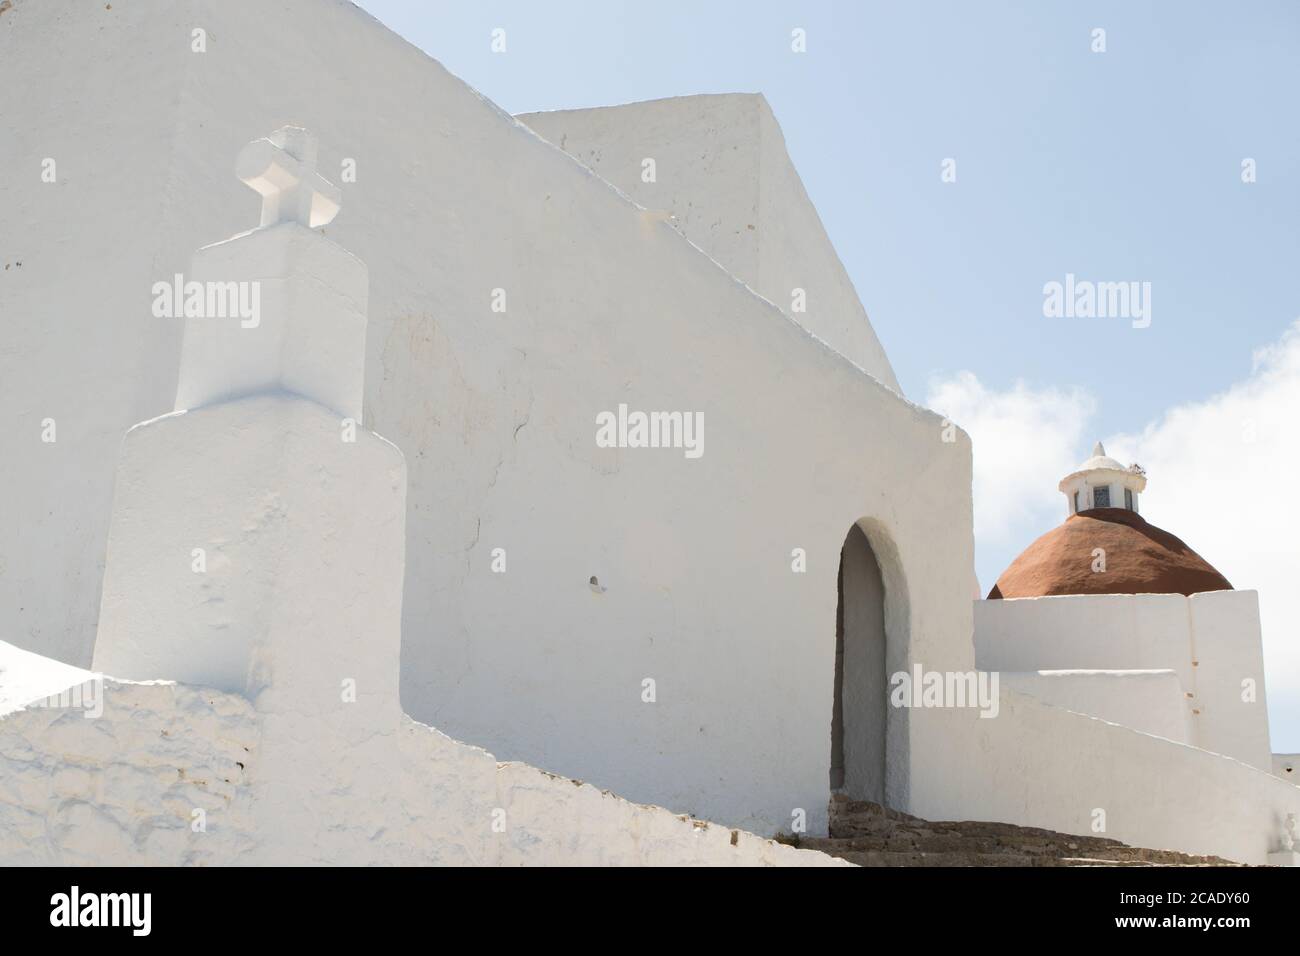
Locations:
{"points": [[494, 412], [1228, 651], [722, 170], [1287, 766], [1040, 765], [1094, 632], [85, 352], [1149, 701], [302, 541], [123, 788], [308, 336], [1211, 641]]}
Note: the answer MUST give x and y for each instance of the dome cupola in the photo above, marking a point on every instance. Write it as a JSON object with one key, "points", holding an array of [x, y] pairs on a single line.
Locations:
{"points": [[1102, 482], [1104, 546]]}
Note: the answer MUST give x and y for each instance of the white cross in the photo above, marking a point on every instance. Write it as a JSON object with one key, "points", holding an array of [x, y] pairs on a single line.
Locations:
{"points": [[282, 168]]}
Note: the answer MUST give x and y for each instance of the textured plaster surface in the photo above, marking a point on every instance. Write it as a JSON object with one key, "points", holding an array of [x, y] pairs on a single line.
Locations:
{"points": [[124, 787]]}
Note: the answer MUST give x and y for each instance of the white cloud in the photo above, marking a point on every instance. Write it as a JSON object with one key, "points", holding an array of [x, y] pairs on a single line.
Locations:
{"points": [[1024, 441], [1224, 476]]}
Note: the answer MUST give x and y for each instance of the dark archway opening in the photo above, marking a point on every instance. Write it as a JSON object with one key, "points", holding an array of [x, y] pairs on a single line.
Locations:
{"points": [[860, 712]]}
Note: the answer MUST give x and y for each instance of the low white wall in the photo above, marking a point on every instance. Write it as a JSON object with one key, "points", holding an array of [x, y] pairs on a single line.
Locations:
{"points": [[1211, 641], [1084, 632], [123, 789], [1149, 701], [1042, 766]]}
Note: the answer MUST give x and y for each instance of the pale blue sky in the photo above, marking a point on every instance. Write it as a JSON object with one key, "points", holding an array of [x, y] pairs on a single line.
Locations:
{"points": [[1123, 165]]}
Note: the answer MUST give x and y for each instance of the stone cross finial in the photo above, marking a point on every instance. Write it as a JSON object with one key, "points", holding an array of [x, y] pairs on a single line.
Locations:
{"points": [[282, 168]]}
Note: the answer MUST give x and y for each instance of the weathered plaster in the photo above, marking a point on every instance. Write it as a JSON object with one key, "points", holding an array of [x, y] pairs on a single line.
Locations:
{"points": [[123, 789]]}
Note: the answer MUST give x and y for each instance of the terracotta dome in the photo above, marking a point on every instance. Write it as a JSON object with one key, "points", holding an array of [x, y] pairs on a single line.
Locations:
{"points": [[1140, 559]]}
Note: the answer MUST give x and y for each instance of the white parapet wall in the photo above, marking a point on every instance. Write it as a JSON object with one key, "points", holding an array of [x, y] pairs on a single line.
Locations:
{"points": [[165, 774], [1211, 641], [1039, 765], [1149, 701]]}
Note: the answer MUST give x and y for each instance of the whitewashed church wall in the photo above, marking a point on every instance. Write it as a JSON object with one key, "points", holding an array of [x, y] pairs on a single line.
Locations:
{"points": [[720, 166], [1150, 701], [495, 412], [82, 358]]}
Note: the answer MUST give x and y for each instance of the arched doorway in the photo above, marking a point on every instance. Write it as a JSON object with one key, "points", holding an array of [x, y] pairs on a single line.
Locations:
{"points": [[860, 714]]}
